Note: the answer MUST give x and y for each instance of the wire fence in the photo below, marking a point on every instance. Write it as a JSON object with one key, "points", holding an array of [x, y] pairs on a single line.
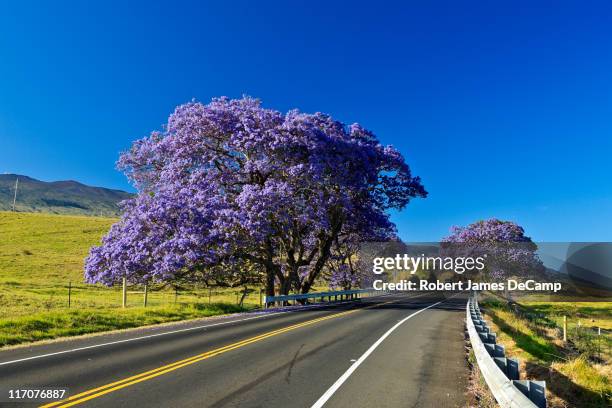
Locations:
{"points": [[23, 299], [142, 295], [579, 333], [17, 299], [42, 298], [593, 342]]}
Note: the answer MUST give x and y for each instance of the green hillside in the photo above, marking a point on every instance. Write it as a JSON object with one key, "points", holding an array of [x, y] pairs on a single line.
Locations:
{"points": [[40, 254], [46, 249], [58, 197]]}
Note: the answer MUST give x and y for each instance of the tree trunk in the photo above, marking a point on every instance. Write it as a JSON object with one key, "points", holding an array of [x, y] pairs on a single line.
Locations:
{"points": [[294, 277], [244, 294], [270, 275], [270, 269], [324, 252], [285, 287]]}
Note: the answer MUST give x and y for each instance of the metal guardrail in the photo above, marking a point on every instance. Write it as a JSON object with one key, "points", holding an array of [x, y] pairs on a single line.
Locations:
{"points": [[336, 295], [500, 373]]}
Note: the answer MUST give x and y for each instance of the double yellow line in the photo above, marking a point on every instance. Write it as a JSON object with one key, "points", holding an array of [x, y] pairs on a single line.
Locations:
{"points": [[147, 375]]}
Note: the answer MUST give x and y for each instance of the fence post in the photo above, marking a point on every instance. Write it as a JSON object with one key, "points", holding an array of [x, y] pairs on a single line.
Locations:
{"points": [[260, 296], [564, 328], [209, 294], [124, 293], [146, 293], [599, 343], [69, 293]]}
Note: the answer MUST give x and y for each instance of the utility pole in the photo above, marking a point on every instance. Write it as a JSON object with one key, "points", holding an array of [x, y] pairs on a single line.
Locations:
{"points": [[15, 196]]}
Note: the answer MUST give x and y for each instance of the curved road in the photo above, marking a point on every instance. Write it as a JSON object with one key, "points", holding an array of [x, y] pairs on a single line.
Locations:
{"points": [[401, 350]]}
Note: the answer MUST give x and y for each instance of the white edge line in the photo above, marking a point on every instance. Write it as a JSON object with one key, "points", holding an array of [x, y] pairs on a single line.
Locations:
{"points": [[154, 335], [164, 333], [330, 392]]}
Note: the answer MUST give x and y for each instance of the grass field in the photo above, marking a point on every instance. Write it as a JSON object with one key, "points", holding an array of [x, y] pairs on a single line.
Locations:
{"points": [[577, 373], [40, 254]]}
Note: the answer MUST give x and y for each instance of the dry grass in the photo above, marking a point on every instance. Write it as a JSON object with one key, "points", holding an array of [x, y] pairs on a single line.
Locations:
{"points": [[573, 380], [478, 393]]}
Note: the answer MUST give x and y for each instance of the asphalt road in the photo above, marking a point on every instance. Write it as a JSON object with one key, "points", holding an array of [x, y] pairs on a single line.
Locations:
{"points": [[390, 351]]}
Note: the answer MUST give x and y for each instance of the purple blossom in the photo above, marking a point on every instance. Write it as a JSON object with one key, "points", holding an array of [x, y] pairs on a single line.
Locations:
{"points": [[508, 251], [235, 185]]}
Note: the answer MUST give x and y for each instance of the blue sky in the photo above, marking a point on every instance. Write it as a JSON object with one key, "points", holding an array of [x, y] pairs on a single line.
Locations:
{"points": [[503, 109]]}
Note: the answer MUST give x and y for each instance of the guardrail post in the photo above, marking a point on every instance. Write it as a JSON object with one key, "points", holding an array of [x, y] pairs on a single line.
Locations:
{"points": [[534, 390], [513, 369], [537, 393], [502, 363]]}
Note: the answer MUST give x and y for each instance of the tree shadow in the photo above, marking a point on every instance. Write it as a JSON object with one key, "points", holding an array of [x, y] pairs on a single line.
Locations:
{"points": [[541, 350]]}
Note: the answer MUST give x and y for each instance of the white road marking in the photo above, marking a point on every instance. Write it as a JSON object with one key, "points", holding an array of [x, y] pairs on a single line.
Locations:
{"points": [[330, 392], [159, 334], [166, 333]]}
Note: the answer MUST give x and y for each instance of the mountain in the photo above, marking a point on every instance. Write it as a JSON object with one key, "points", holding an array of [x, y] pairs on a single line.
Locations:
{"points": [[59, 197]]}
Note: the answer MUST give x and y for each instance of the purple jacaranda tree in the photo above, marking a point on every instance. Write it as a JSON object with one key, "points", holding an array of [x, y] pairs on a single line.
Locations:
{"points": [[346, 268], [508, 251], [234, 184]]}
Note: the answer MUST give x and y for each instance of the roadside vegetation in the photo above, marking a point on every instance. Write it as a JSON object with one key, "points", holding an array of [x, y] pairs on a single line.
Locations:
{"points": [[577, 372], [478, 393], [62, 323], [42, 254]]}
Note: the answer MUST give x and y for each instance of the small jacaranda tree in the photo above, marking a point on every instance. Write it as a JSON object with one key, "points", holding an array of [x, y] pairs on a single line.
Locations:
{"points": [[508, 251]]}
